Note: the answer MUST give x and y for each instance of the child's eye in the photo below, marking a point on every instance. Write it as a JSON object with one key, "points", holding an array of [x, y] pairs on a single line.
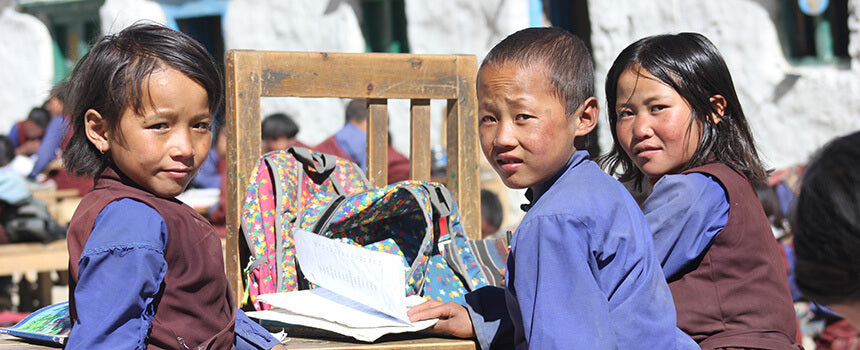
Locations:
{"points": [[159, 126], [523, 116], [487, 119], [658, 108], [624, 114], [203, 126]]}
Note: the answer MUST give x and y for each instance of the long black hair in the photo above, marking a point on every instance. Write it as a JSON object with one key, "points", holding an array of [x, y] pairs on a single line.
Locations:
{"points": [[112, 76], [825, 221], [692, 66]]}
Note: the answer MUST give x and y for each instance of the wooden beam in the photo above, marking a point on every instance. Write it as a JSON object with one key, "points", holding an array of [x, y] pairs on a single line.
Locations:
{"points": [[419, 140], [243, 150]]}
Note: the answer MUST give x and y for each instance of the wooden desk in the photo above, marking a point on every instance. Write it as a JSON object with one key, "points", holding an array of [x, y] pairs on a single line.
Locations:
{"points": [[421, 343], [8, 342], [39, 257], [35, 257]]}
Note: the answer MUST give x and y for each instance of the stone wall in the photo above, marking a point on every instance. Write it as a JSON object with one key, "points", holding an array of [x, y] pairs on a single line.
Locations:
{"points": [[26, 65], [791, 109]]}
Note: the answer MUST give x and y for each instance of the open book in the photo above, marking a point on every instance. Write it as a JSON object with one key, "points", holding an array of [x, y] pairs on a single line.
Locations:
{"points": [[50, 324], [361, 292]]}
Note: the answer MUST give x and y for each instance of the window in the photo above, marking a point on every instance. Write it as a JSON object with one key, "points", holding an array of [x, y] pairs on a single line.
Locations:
{"points": [[72, 24], [201, 20], [815, 39], [383, 23]]}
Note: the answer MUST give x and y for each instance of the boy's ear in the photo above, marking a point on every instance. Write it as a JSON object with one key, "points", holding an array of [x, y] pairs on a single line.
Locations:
{"points": [[588, 111], [96, 130], [718, 102]]}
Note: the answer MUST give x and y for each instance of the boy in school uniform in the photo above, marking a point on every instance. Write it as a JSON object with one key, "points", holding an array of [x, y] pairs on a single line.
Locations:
{"points": [[582, 273]]}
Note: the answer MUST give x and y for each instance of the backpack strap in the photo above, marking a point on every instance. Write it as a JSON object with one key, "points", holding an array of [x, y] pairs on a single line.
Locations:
{"points": [[441, 202], [322, 163]]}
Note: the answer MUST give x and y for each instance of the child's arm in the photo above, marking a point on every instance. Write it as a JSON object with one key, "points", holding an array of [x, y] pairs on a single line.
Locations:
{"points": [[589, 281], [685, 213], [484, 317], [120, 273], [251, 335], [453, 318], [51, 141]]}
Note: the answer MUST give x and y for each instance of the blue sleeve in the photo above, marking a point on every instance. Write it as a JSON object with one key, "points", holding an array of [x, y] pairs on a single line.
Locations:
{"points": [[251, 335], [120, 273], [490, 320], [51, 141], [208, 176], [13, 135], [611, 288], [685, 213]]}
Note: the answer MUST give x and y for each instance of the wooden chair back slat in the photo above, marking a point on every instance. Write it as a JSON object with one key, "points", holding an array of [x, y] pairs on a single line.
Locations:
{"points": [[377, 77], [419, 143]]}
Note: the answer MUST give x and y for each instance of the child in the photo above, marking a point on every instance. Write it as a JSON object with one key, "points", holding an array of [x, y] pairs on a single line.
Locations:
{"points": [[676, 121], [279, 132], [55, 131], [147, 270], [491, 214], [350, 142], [825, 223], [582, 273]]}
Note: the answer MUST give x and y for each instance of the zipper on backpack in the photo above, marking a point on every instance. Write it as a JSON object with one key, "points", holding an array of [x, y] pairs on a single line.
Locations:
{"points": [[327, 214]]}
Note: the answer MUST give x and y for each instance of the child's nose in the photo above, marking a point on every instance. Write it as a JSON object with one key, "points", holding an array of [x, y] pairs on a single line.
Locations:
{"points": [[505, 135], [182, 145], [642, 127]]}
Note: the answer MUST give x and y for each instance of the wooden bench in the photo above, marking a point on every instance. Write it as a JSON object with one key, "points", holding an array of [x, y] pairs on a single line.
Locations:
{"points": [[376, 77], [61, 203], [23, 258]]}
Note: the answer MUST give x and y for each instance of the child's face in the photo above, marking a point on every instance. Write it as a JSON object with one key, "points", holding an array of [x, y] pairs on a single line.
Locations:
{"points": [[162, 149], [276, 144], [653, 124], [525, 133]]}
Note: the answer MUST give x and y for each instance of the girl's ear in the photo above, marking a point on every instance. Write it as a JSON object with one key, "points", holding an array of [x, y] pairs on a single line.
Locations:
{"points": [[718, 102], [96, 129], [588, 111]]}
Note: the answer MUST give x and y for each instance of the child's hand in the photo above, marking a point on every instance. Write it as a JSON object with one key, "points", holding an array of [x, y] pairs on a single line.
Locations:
{"points": [[279, 347], [453, 318]]}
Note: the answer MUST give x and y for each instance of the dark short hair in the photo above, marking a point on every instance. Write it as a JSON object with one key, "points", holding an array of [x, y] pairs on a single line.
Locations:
{"points": [[825, 221], [278, 125], [770, 203], [40, 116], [111, 78], [356, 111], [568, 62], [7, 150], [692, 66], [491, 208], [60, 91]]}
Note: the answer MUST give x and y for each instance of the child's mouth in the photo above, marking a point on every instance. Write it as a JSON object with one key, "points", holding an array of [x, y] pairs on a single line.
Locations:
{"points": [[508, 164], [645, 151], [177, 173]]}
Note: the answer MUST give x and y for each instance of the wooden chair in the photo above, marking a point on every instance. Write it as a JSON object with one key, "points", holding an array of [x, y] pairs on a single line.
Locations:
{"points": [[376, 77]]}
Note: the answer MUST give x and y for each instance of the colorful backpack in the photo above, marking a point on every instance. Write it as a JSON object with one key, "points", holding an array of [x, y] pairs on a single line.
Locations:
{"points": [[283, 182], [417, 220]]}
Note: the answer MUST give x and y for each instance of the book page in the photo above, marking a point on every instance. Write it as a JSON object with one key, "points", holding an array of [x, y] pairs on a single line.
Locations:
{"points": [[374, 279]]}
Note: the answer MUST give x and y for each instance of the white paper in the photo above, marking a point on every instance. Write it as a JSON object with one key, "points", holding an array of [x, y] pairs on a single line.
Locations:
{"points": [[200, 197], [367, 334], [322, 303], [374, 279], [361, 292]]}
